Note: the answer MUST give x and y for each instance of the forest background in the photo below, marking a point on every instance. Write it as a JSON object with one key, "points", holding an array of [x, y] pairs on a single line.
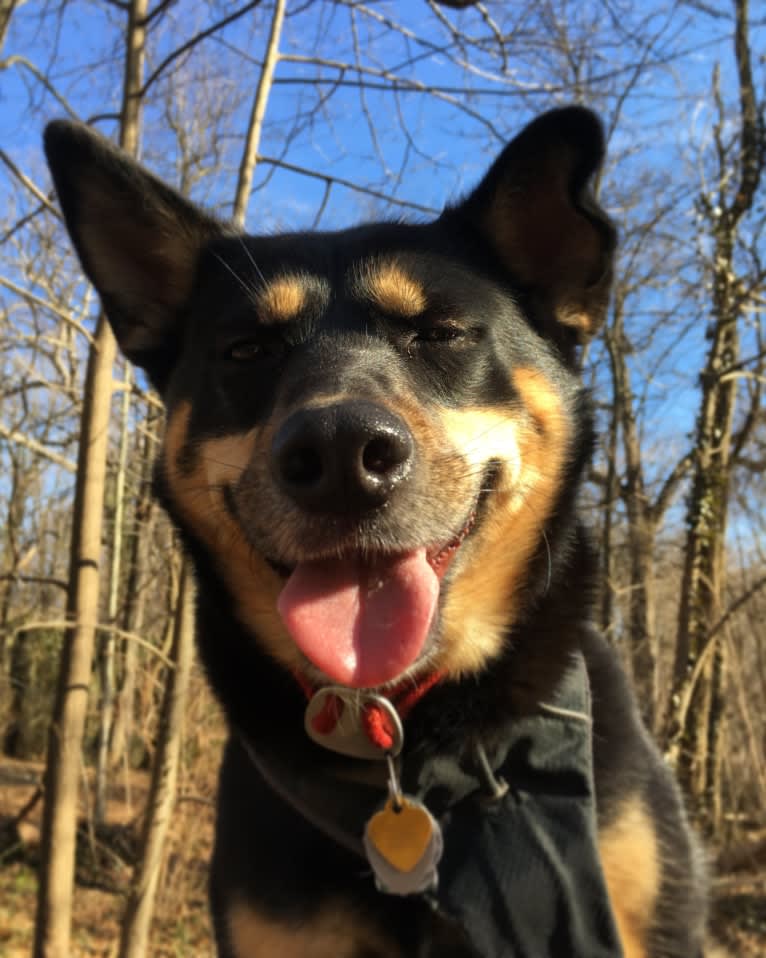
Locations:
{"points": [[313, 114]]}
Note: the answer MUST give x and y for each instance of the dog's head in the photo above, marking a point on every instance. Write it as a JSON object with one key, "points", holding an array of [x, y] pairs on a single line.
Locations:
{"points": [[368, 431]]}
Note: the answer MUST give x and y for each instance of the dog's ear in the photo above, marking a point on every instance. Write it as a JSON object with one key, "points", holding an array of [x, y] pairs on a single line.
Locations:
{"points": [[536, 208], [138, 240]]}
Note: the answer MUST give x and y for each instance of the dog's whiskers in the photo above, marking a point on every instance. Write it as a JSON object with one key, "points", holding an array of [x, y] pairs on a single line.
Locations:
{"points": [[222, 462], [250, 290], [250, 256]]}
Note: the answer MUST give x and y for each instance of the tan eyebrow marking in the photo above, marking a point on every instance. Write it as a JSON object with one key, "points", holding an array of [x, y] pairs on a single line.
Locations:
{"points": [[281, 299], [391, 289]]}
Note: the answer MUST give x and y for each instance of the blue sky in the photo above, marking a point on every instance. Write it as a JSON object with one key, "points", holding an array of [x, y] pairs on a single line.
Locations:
{"points": [[450, 148], [415, 146]]}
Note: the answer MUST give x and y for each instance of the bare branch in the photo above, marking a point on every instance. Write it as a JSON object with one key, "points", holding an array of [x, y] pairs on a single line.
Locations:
{"points": [[13, 435], [255, 125], [349, 184], [193, 41], [33, 579], [41, 78], [751, 152], [101, 627], [46, 304], [670, 486], [26, 182]]}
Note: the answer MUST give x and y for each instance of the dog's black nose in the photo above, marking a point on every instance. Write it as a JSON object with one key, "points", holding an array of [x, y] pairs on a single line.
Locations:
{"points": [[342, 458]]}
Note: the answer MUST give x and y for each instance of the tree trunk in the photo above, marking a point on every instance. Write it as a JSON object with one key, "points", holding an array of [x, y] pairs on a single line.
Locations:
{"points": [[141, 905], [138, 914], [702, 584], [134, 604], [14, 522], [641, 526], [643, 637], [696, 737], [6, 12], [58, 840], [255, 126], [611, 491], [62, 775], [107, 655], [20, 676]]}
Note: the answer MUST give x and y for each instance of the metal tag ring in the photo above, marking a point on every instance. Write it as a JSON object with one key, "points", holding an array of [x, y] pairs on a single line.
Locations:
{"points": [[348, 736]]}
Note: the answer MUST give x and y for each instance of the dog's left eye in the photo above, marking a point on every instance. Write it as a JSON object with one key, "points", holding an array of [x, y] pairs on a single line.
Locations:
{"points": [[439, 334], [248, 351], [244, 352]]}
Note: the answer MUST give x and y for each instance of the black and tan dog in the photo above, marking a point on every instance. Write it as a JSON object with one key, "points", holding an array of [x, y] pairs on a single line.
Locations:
{"points": [[373, 449]]}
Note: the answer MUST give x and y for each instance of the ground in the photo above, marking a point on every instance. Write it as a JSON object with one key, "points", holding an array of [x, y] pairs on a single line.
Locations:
{"points": [[181, 926]]}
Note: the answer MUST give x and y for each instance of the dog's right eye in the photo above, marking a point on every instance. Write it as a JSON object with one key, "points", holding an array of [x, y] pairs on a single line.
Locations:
{"points": [[245, 352], [251, 350]]}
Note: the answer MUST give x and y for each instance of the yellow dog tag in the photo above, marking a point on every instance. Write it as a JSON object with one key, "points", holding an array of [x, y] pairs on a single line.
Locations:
{"points": [[401, 836], [403, 842]]}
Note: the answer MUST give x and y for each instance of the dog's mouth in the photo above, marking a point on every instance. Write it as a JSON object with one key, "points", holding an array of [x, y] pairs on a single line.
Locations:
{"points": [[364, 619]]}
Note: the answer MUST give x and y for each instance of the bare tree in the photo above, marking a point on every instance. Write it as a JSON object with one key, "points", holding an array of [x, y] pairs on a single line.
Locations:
{"points": [[6, 12], [700, 662], [62, 777], [140, 906], [141, 903], [645, 501], [107, 653]]}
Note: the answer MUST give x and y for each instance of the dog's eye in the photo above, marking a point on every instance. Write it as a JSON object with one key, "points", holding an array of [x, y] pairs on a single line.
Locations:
{"points": [[439, 334], [249, 350], [244, 352]]}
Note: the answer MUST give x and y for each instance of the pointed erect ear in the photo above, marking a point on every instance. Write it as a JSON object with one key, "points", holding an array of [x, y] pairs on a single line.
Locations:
{"points": [[138, 240], [536, 208]]}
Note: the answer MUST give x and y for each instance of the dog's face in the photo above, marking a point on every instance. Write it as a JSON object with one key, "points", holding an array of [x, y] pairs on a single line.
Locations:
{"points": [[367, 430]]}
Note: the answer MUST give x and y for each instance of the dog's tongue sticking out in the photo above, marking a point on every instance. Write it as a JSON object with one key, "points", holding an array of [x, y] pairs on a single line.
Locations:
{"points": [[361, 622]]}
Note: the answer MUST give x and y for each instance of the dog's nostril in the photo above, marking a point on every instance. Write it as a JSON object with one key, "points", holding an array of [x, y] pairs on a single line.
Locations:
{"points": [[382, 454], [301, 466], [341, 458]]}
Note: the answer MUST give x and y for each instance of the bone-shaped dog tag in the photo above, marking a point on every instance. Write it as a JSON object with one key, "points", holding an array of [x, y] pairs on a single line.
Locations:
{"points": [[403, 843]]}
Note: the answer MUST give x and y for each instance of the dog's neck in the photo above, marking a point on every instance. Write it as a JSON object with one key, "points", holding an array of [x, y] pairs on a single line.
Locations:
{"points": [[265, 701]]}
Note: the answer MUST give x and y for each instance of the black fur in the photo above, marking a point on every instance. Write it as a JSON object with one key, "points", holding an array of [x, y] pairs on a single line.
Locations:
{"points": [[509, 314]]}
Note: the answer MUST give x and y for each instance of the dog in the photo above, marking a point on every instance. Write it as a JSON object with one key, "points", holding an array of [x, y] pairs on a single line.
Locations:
{"points": [[374, 443]]}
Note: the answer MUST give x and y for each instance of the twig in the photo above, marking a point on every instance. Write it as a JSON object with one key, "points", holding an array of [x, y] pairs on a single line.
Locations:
{"points": [[25, 181], [327, 178], [197, 38], [13, 435]]}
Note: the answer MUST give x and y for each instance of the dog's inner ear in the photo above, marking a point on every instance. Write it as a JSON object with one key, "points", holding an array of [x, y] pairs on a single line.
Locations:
{"points": [[142, 255], [536, 208], [139, 241]]}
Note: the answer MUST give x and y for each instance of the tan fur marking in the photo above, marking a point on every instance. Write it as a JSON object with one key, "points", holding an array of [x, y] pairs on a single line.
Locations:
{"points": [[197, 492], [392, 290], [630, 858], [333, 933], [532, 446], [282, 298]]}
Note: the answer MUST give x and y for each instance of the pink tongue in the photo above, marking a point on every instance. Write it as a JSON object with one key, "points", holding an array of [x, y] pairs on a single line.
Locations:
{"points": [[361, 624]]}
